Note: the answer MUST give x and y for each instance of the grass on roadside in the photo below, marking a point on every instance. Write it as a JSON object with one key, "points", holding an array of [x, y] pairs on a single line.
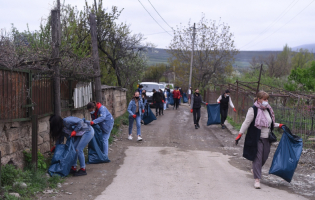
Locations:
{"points": [[236, 126], [119, 121]]}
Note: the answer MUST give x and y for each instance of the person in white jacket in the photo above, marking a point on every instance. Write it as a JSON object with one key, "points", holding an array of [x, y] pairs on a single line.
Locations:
{"points": [[224, 100]]}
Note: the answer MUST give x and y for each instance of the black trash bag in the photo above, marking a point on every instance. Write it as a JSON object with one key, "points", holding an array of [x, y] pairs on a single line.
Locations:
{"points": [[63, 159], [287, 155], [213, 114], [148, 116], [96, 147]]}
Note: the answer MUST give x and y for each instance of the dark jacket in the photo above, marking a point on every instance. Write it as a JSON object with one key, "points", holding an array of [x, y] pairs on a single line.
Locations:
{"points": [[196, 101], [162, 95], [157, 97], [252, 138], [224, 102], [181, 92]]}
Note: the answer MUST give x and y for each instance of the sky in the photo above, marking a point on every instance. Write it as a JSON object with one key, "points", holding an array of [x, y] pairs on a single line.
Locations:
{"points": [[256, 25]]}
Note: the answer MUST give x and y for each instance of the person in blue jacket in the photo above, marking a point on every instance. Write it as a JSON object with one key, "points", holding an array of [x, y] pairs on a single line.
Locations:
{"points": [[72, 127], [101, 116], [136, 110]]}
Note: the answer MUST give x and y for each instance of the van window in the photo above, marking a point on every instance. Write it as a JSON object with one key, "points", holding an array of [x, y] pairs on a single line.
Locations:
{"points": [[150, 87]]}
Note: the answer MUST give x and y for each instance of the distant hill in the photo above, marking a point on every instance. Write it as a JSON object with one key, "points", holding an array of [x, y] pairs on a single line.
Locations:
{"points": [[310, 47], [242, 59]]}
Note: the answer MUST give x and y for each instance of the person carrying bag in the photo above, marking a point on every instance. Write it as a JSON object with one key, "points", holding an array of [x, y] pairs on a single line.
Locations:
{"points": [[259, 123]]}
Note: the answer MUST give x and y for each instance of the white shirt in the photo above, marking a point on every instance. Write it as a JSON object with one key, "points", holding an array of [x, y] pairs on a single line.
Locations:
{"points": [[250, 117], [230, 101], [189, 91]]}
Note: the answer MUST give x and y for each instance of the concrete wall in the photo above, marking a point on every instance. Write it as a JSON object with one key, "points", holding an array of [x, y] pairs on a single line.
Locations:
{"points": [[15, 137]]}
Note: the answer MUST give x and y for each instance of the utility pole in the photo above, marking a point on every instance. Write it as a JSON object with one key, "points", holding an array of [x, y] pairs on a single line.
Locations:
{"points": [[55, 34], [174, 74], [96, 64], [95, 6], [259, 79], [192, 54]]}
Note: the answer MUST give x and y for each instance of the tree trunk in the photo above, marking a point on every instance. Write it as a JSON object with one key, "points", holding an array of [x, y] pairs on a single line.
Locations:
{"points": [[55, 24], [96, 64]]}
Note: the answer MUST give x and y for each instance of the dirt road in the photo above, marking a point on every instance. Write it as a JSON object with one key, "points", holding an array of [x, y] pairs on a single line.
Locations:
{"points": [[175, 161]]}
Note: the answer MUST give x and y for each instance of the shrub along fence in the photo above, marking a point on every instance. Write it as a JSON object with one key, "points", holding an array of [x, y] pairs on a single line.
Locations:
{"points": [[296, 110]]}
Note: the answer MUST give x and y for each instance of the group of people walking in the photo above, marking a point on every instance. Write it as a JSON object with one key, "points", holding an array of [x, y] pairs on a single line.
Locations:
{"points": [[259, 122]]}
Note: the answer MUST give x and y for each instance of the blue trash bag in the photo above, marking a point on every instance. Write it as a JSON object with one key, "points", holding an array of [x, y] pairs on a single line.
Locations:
{"points": [[171, 101], [287, 155], [63, 159], [185, 98], [213, 114], [96, 147], [148, 116]]}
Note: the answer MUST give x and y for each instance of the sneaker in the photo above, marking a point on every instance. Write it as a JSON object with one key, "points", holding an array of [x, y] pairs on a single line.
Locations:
{"points": [[223, 127], [80, 173], [129, 137], [72, 171], [196, 127], [257, 184], [139, 138]]}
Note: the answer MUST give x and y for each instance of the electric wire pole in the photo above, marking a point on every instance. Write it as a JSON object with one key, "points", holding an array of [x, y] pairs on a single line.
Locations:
{"points": [[192, 54]]}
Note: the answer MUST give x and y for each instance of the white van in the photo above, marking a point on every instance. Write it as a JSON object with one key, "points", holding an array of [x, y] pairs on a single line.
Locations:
{"points": [[148, 87]]}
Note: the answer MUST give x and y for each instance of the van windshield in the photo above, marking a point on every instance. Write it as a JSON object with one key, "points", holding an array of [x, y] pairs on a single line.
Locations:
{"points": [[150, 87]]}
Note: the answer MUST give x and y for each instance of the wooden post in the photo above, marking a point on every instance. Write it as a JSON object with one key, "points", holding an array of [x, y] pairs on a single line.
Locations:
{"points": [[96, 65], [55, 54], [259, 79], [34, 140]]}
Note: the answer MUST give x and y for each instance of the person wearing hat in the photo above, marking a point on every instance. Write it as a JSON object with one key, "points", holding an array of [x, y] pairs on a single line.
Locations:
{"points": [[224, 100]]}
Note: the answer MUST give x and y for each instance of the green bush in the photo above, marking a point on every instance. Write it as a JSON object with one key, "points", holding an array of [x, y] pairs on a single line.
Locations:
{"points": [[41, 162], [9, 174]]}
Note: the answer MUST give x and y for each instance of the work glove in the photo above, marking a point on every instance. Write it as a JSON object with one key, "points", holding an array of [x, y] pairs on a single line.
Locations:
{"points": [[73, 133], [162, 101], [206, 104], [91, 123], [234, 109], [134, 116], [191, 110], [280, 125], [238, 138], [218, 101], [52, 149], [143, 111]]}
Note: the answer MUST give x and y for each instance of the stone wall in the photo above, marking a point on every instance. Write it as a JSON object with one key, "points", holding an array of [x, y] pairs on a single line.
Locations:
{"points": [[114, 98], [15, 137]]}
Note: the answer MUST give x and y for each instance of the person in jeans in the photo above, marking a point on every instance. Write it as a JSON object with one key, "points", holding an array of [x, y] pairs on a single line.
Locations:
{"points": [[72, 127], [196, 101], [176, 97], [101, 116], [259, 121], [224, 100], [157, 100], [136, 110]]}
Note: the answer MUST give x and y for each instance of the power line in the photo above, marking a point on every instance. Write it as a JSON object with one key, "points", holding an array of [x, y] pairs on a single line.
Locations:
{"points": [[156, 33], [284, 24], [153, 17], [272, 23], [160, 15]]}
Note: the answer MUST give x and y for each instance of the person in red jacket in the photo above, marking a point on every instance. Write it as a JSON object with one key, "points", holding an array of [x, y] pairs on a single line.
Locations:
{"points": [[176, 96]]}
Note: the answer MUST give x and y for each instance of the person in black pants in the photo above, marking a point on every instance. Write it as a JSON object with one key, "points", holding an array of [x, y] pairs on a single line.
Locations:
{"points": [[163, 100], [157, 100], [224, 100], [196, 101]]}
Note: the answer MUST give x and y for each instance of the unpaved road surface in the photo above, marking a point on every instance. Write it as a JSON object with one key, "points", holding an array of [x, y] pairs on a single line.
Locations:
{"points": [[175, 161]]}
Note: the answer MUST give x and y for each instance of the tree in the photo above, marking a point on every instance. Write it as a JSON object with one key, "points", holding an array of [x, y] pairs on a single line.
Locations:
{"points": [[271, 61], [302, 58], [213, 55], [283, 64], [303, 78], [154, 73]]}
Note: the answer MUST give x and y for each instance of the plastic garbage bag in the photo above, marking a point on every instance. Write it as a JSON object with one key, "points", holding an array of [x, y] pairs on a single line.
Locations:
{"points": [[213, 114], [96, 147], [287, 155], [185, 98], [148, 116], [63, 159], [171, 102]]}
